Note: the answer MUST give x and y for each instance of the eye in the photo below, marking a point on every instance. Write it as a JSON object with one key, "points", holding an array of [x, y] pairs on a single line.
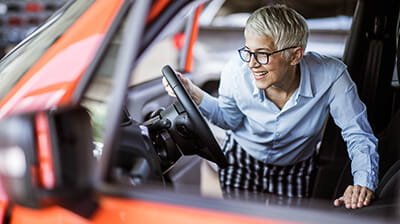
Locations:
{"points": [[262, 55]]}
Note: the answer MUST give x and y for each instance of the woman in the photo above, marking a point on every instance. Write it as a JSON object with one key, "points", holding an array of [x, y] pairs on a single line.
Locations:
{"points": [[275, 100]]}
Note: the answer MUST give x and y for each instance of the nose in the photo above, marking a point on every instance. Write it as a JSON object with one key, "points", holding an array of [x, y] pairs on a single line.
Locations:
{"points": [[253, 63]]}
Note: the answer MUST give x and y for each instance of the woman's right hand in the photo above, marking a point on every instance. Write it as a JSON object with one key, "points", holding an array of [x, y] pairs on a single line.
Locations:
{"points": [[194, 91]]}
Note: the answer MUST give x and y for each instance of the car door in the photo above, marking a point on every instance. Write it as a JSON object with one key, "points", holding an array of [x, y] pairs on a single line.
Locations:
{"points": [[146, 93]]}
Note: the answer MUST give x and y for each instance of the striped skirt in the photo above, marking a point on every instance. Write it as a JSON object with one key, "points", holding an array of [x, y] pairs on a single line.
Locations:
{"points": [[247, 173]]}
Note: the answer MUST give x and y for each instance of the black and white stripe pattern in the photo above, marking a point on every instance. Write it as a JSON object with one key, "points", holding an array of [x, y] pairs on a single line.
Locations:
{"points": [[247, 173]]}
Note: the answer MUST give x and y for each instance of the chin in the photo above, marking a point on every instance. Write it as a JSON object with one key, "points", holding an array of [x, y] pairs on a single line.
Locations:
{"points": [[262, 86]]}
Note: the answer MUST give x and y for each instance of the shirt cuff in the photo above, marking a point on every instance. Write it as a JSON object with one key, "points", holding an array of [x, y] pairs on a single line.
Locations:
{"points": [[364, 179], [207, 103]]}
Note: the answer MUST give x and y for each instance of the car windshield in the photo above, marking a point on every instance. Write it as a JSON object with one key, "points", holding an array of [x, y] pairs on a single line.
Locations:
{"points": [[14, 65]]}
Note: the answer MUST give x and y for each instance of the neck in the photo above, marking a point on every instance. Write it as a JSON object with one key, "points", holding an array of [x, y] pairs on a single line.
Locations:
{"points": [[290, 84]]}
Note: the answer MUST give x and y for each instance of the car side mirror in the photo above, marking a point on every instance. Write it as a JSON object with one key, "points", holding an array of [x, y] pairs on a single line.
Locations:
{"points": [[46, 157]]}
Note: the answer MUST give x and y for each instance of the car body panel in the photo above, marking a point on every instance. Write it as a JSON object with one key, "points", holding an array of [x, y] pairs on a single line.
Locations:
{"points": [[187, 62], [157, 7], [3, 207], [46, 216], [144, 212], [119, 211]]}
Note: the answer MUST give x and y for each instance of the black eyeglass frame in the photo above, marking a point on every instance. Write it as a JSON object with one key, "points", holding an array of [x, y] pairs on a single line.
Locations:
{"points": [[264, 53]]}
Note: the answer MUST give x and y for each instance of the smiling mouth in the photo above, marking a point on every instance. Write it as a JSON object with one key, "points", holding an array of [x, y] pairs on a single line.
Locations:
{"points": [[259, 75]]}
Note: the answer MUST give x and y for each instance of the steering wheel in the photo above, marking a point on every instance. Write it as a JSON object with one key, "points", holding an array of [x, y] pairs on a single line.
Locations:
{"points": [[211, 149]]}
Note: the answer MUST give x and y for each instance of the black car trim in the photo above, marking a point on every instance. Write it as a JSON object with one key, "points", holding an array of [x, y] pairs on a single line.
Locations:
{"points": [[128, 52], [158, 25]]}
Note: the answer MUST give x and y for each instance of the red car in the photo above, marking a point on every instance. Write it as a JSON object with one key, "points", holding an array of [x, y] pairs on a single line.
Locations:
{"points": [[89, 135]]}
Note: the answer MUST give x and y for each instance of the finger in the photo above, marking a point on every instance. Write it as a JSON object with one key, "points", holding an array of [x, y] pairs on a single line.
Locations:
{"points": [[165, 82], [355, 195], [170, 92], [338, 201], [185, 81], [347, 196], [369, 197], [167, 87], [181, 77], [361, 197]]}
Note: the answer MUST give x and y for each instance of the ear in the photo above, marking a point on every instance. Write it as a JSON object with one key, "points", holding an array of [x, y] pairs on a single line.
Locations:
{"points": [[298, 53]]}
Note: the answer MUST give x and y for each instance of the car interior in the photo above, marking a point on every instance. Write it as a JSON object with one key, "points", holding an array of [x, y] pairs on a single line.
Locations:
{"points": [[374, 35]]}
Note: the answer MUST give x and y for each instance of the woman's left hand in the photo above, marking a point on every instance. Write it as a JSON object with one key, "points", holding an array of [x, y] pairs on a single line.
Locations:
{"points": [[355, 197]]}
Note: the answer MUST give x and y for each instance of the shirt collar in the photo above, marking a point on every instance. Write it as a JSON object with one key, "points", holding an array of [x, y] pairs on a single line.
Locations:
{"points": [[256, 90], [305, 87], [258, 93]]}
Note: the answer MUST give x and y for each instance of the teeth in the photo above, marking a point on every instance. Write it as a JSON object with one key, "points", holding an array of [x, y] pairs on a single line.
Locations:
{"points": [[260, 74]]}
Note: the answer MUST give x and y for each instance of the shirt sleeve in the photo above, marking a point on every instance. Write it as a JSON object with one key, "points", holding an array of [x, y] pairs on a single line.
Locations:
{"points": [[350, 114], [223, 111]]}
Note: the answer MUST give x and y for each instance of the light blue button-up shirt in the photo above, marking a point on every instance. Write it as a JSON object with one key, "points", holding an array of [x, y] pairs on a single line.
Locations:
{"points": [[291, 134]]}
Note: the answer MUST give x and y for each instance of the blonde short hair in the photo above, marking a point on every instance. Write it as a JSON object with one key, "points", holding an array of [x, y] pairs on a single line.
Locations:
{"points": [[284, 25]]}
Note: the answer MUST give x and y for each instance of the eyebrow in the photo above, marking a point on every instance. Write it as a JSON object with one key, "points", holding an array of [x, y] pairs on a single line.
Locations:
{"points": [[258, 49]]}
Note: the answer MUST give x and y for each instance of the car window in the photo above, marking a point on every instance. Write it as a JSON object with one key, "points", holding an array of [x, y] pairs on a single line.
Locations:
{"points": [[97, 94], [18, 62], [164, 52]]}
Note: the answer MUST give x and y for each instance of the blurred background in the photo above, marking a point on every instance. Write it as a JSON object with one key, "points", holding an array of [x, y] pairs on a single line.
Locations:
{"points": [[20, 17], [329, 23]]}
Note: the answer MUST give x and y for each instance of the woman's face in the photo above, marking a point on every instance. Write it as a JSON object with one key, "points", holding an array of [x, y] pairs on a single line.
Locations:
{"points": [[276, 71]]}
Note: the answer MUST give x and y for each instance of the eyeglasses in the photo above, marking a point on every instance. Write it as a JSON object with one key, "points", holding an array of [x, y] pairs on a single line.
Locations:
{"points": [[261, 57]]}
